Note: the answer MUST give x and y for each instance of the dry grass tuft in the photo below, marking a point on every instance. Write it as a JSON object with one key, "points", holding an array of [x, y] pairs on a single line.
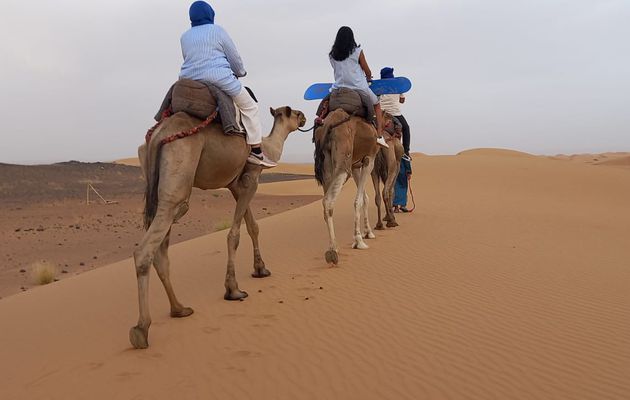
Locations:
{"points": [[43, 272], [220, 226]]}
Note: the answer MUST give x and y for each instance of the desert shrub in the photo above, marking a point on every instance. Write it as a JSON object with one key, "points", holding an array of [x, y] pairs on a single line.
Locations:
{"points": [[43, 272]]}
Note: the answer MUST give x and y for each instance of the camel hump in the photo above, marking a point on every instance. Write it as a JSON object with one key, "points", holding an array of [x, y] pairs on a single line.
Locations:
{"points": [[194, 98]]}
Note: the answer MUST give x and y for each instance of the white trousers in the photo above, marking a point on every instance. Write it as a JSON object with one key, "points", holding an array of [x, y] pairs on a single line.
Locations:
{"points": [[249, 116]]}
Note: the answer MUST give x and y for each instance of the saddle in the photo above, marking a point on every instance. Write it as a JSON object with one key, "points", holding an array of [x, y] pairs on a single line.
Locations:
{"points": [[348, 100], [200, 100], [193, 98]]}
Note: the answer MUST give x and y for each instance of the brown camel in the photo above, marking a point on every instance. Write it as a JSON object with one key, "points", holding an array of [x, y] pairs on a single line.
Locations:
{"points": [[207, 160], [386, 168], [345, 145]]}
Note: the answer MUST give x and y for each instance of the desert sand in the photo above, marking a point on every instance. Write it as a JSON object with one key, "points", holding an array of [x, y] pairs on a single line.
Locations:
{"points": [[508, 281], [47, 224]]}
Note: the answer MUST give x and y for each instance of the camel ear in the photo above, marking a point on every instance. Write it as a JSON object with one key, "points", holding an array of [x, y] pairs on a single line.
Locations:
{"points": [[272, 111], [288, 111]]}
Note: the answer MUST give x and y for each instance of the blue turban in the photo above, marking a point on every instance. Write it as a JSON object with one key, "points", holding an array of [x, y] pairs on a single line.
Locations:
{"points": [[387, 73], [201, 13]]}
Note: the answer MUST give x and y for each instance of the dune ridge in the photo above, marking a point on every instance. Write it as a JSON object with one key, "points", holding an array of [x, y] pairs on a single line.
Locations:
{"points": [[509, 281]]}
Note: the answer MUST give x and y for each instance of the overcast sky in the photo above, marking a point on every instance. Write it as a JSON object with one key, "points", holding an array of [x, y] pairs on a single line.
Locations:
{"points": [[82, 79]]}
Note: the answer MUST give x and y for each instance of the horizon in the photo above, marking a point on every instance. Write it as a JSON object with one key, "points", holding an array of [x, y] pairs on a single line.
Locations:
{"points": [[304, 159], [538, 77]]}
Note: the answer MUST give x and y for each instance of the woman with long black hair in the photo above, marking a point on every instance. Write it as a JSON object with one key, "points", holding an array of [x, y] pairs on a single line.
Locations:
{"points": [[352, 71]]}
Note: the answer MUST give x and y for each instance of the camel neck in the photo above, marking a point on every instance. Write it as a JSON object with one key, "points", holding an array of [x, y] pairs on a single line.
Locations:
{"points": [[274, 143]]}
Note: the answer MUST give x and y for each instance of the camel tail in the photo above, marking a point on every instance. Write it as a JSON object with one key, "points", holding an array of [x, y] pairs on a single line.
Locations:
{"points": [[154, 156], [380, 166], [319, 155], [326, 145]]}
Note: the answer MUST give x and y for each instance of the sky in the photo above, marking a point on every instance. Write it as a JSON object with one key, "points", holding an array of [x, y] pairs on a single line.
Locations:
{"points": [[81, 80]]}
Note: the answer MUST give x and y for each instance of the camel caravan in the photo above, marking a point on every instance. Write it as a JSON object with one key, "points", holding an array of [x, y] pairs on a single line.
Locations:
{"points": [[208, 136], [345, 146]]}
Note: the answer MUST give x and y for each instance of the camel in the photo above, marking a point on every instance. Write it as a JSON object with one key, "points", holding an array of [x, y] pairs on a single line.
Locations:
{"points": [[386, 168], [345, 145], [207, 160]]}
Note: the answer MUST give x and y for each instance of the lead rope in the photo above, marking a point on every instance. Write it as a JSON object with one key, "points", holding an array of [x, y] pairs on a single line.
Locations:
{"points": [[413, 201], [307, 130]]}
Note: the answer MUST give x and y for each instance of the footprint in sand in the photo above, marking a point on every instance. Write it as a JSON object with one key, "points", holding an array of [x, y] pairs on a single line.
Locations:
{"points": [[233, 315], [96, 365], [210, 330], [123, 376], [236, 369], [246, 353]]}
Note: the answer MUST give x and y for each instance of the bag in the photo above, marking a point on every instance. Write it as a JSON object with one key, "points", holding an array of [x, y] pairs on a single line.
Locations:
{"points": [[193, 98]]}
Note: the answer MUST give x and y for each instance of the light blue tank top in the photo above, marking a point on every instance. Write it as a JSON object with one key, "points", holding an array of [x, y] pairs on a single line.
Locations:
{"points": [[348, 73]]}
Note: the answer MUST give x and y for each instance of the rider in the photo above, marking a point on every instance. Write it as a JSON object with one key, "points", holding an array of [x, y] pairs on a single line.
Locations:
{"points": [[391, 104], [352, 71], [210, 55]]}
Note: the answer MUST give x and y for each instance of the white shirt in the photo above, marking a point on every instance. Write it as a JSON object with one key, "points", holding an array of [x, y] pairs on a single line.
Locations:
{"points": [[391, 103]]}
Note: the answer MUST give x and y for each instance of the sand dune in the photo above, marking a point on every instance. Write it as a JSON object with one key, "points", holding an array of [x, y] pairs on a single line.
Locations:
{"points": [[494, 152], [614, 159], [623, 161], [509, 281]]}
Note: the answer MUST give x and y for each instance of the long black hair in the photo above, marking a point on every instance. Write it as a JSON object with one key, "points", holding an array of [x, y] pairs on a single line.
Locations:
{"points": [[344, 44]]}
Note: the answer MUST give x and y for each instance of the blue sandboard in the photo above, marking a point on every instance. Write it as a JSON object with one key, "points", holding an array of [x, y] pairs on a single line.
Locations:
{"points": [[318, 91]]}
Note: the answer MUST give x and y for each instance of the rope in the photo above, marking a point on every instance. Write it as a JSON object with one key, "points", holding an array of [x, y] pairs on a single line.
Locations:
{"points": [[307, 130], [179, 135], [413, 201], [190, 132], [165, 114]]}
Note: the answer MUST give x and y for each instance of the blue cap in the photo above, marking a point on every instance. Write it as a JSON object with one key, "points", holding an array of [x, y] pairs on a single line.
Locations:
{"points": [[387, 72]]}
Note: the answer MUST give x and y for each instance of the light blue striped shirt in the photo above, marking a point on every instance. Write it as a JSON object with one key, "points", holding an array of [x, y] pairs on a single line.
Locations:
{"points": [[210, 55]]}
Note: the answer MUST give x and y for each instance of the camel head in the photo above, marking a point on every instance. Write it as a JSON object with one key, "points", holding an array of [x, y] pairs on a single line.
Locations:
{"points": [[388, 120], [295, 118]]}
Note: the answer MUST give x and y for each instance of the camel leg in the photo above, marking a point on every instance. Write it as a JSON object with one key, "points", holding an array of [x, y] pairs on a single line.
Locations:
{"points": [[143, 256], [162, 264], [377, 200], [366, 217], [367, 229], [361, 179], [243, 192], [388, 193], [333, 190], [260, 271]]}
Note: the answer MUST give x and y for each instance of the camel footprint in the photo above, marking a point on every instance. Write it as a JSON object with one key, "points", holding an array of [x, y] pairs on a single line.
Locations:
{"points": [[210, 329], [246, 353]]}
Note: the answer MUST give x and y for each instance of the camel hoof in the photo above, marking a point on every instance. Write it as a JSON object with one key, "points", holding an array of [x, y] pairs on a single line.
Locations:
{"points": [[360, 246], [332, 257], [139, 338], [184, 312], [235, 295], [392, 224], [379, 227], [370, 235], [261, 273], [386, 218]]}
